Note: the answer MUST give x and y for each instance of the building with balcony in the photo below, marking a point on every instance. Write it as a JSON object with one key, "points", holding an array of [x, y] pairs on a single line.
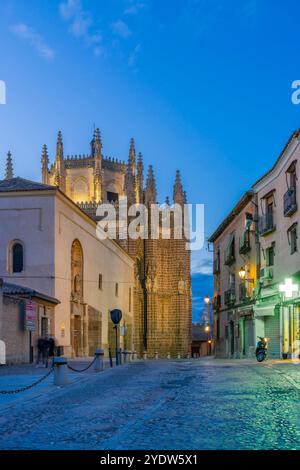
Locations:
{"points": [[277, 315], [257, 288], [234, 255]]}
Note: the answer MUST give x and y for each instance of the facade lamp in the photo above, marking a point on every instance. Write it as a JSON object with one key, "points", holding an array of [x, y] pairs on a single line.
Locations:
{"points": [[242, 275], [207, 300]]}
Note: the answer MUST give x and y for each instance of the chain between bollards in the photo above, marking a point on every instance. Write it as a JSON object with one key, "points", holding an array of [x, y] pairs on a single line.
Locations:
{"points": [[28, 387]]}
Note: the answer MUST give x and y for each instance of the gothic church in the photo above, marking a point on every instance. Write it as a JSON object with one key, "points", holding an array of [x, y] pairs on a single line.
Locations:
{"points": [[162, 292]]}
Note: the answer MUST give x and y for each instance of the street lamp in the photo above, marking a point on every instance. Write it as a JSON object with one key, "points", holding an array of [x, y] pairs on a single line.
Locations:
{"points": [[207, 300], [242, 275]]}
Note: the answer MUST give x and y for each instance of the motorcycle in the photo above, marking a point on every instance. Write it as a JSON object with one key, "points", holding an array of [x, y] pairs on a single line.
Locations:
{"points": [[261, 349]]}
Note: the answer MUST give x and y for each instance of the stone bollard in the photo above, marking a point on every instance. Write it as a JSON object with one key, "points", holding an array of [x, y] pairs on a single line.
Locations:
{"points": [[60, 371], [99, 362], [134, 356], [188, 356], [129, 356], [156, 355], [178, 356], [168, 356], [145, 356]]}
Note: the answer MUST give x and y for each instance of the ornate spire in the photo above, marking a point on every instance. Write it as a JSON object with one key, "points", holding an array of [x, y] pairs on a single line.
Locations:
{"points": [[59, 146], [9, 172], [45, 157], [150, 191], [130, 185], [45, 163], [59, 178], [132, 156], [167, 202], [178, 194], [140, 177], [96, 145]]}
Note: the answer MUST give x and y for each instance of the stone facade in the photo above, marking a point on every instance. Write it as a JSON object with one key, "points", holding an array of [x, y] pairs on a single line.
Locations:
{"points": [[162, 292]]}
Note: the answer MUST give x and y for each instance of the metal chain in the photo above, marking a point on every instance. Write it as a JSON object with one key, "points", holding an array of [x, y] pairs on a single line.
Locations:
{"points": [[82, 370], [11, 392]]}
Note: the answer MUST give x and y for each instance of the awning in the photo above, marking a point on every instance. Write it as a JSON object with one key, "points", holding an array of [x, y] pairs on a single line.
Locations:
{"points": [[264, 310]]}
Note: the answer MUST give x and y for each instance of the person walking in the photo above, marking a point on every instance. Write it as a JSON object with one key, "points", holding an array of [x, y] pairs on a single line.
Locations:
{"points": [[40, 349], [52, 347], [45, 352]]}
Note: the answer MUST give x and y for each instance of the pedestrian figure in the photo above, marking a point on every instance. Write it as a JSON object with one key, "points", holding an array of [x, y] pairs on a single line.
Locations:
{"points": [[40, 349], [45, 352], [52, 347]]}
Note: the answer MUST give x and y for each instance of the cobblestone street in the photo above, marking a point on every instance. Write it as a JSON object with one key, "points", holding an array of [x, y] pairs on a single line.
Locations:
{"points": [[192, 404]]}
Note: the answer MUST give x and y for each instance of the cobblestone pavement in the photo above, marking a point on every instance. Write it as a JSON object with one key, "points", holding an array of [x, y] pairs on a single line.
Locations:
{"points": [[188, 404]]}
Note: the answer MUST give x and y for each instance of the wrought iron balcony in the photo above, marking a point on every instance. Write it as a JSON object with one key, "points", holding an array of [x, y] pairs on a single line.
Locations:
{"points": [[266, 223], [229, 257], [229, 297], [245, 245], [243, 292], [289, 202]]}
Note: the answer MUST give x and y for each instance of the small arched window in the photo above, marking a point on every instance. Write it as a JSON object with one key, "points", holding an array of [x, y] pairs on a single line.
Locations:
{"points": [[17, 258]]}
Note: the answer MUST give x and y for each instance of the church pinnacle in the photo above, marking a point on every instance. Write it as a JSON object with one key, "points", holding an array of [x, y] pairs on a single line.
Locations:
{"points": [[45, 163], [96, 146], [150, 191], [132, 156], [59, 179], [178, 193], [9, 172]]}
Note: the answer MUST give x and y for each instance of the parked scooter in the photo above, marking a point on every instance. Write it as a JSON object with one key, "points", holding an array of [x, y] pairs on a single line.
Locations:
{"points": [[261, 349]]}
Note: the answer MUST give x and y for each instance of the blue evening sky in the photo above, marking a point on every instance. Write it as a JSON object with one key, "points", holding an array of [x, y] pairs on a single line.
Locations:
{"points": [[202, 85]]}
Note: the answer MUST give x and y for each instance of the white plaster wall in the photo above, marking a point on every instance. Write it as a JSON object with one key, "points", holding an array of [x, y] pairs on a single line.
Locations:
{"points": [[285, 263], [29, 217], [100, 257]]}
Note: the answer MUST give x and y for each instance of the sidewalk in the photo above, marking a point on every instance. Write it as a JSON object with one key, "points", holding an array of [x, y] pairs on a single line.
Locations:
{"points": [[22, 375]]}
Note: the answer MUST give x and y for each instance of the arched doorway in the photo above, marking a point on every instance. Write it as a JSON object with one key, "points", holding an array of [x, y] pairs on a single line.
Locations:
{"points": [[77, 303]]}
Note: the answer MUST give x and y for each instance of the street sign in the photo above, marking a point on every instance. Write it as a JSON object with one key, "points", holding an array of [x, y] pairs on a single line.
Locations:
{"points": [[116, 316], [30, 315]]}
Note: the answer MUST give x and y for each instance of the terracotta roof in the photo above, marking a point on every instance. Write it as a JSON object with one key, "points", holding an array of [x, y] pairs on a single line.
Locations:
{"points": [[247, 196], [21, 184], [26, 292]]}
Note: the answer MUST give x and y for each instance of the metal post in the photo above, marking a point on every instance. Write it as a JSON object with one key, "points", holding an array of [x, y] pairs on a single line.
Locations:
{"points": [[110, 357], [120, 356], [117, 354], [99, 363], [60, 371]]}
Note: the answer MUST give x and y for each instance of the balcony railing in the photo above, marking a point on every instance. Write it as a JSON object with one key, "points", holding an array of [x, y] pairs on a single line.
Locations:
{"points": [[243, 293], [229, 257], [289, 202], [266, 223], [217, 302], [245, 245], [229, 297], [217, 265]]}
